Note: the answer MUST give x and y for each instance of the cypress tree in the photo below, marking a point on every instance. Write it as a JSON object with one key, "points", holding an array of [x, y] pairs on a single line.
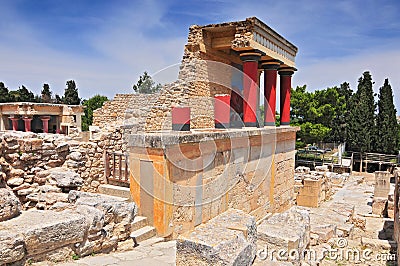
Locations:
{"points": [[71, 94], [4, 93], [46, 93], [387, 128], [361, 118]]}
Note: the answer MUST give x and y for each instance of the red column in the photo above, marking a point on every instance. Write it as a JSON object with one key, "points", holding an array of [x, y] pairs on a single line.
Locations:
{"points": [[286, 85], [270, 76], [222, 110], [27, 121], [14, 123], [181, 118], [250, 88], [45, 121]]}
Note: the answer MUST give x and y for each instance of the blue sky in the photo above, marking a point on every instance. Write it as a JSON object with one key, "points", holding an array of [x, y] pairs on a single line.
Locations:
{"points": [[105, 45]]}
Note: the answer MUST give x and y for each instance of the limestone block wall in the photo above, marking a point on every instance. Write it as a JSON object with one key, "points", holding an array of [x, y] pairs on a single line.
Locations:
{"points": [[182, 180], [114, 112]]}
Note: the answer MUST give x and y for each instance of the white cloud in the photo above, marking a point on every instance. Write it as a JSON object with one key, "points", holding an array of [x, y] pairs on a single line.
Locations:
{"points": [[124, 53]]}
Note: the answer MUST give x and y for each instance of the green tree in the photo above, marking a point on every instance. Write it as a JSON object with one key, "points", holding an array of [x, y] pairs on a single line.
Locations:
{"points": [[22, 95], [361, 117], [339, 125], [91, 104], [46, 93], [71, 94], [313, 133], [146, 85], [57, 99], [386, 123], [398, 136], [4, 93], [327, 107], [302, 105]]}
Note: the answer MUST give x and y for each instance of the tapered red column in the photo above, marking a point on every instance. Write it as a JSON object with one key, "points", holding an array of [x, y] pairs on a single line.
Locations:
{"points": [[27, 121], [181, 118], [250, 88], [222, 110], [45, 121], [286, 85], [270, 76], [14, 123]]}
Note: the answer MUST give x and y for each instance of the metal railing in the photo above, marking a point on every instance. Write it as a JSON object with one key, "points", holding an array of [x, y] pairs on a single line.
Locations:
{"points": [[117, 167], [315, 158], [376, 158]]}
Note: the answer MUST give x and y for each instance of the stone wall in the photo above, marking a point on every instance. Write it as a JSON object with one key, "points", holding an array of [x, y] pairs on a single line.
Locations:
{"points": [[44, 212], [124, 109], [204, 72], [87, 158], [182, 180], [25, 158]]}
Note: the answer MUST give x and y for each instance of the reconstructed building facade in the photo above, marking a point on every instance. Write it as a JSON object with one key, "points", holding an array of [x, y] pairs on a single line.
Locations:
{"points": [[40, 117], [183, 179], [226, 156]]}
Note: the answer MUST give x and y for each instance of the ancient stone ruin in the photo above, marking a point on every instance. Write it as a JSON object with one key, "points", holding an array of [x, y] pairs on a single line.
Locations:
{"points": [[195, 163]]}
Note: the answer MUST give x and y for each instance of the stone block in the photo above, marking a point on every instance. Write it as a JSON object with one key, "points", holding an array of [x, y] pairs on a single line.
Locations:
{"points": [[382, 184], [43, 231], [64, 178], [307, 201], [379, 205], [12, 247], [288, 230], [324, 232], [115, 209], [10, 206], [228, 239], [377, 244], [315, 183]]}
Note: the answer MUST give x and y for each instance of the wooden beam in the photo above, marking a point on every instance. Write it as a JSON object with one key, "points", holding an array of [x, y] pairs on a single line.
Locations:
{"points": [[222, 42]]}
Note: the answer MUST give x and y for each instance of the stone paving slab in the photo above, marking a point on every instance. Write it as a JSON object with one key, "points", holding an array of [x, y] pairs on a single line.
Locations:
{"points": [[159, 254]]}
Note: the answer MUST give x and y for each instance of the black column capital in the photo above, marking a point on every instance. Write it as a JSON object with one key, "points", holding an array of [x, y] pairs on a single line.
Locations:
{"points": [[286, 71], [253, 56]]}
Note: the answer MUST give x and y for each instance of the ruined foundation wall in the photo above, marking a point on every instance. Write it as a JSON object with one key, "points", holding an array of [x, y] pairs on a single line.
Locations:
{"points": [[183, 185], [24, 155]]}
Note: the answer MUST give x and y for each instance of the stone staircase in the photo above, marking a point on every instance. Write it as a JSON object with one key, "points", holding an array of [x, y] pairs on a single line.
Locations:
{"points": [[141, 232]]}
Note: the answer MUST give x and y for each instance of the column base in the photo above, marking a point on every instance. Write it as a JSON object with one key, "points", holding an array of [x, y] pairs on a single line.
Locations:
{"points": [[181, 127], [285, 123], [222, 125], [269, 124], [250, 124]]}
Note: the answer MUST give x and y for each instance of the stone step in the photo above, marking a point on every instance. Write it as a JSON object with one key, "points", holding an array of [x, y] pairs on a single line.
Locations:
{"points": [[117, 191], [143, 233], [152, 241], [139, 222]]}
